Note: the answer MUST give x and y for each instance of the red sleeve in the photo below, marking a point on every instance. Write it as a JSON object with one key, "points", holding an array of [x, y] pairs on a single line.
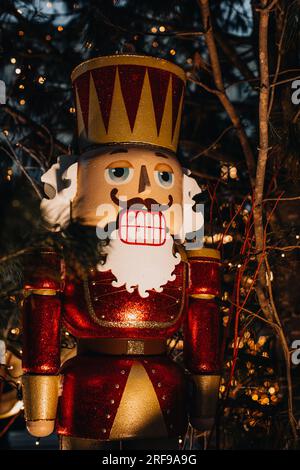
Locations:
{"points": [[41, 314], [202, 337], [202, 326]]}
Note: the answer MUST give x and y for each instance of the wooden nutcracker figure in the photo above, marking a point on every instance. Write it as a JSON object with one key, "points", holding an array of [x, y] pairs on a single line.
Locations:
{"points": [[128, 185]]}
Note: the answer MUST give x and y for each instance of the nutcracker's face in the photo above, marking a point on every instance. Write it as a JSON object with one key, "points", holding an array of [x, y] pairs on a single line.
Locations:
{"points": [[136, 199], [139, 188]]}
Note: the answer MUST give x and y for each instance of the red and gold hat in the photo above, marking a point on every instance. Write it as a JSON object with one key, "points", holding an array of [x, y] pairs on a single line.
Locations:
{"points": [[128, 99]]}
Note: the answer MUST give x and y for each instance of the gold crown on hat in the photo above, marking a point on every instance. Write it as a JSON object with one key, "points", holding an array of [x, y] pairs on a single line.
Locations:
{"points": [[128, 99]]}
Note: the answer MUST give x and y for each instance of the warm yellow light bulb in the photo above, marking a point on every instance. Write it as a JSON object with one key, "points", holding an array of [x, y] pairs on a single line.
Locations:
{"points": [[233, 172], [265, 401], [262, 340], [15, 331]]}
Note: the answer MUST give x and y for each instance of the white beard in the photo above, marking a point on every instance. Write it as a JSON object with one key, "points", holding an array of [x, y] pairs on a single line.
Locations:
{"points": [[145, 267]]}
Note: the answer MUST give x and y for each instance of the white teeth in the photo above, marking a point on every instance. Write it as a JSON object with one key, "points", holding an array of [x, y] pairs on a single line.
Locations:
{"points": [[142, 227], [149, 235], [140, 219], [149, 218], [131, 217], [131, 234], [140, 235], [156, 221]]}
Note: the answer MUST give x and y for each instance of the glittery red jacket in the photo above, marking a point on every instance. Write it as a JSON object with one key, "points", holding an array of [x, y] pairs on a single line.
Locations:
{"points": [[95, 309]]}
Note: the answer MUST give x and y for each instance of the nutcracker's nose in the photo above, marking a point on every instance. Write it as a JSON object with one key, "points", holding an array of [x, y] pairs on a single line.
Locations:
{"points": [[144, 181]]}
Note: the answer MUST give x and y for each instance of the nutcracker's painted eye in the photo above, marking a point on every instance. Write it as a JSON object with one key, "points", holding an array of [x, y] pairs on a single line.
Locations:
{"points": [[119, 172], [164, 175]]}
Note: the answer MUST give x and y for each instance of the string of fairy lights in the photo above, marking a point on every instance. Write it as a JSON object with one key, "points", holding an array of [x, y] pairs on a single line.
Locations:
{"points": [[41, 79]]}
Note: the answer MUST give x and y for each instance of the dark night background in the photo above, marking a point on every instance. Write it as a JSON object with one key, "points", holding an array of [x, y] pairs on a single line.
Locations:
{"points": [[40, 44]]}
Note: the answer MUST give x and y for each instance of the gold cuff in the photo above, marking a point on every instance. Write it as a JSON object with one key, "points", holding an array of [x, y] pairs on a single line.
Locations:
{"points": [[204, 253], [202, 296], [29, 292], [40, 396], [206, 394]]}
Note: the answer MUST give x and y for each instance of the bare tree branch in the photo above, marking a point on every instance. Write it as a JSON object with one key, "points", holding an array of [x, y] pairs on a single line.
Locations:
{"points": [[211, 146], [14, 157], [263, 285], [280, 54], [217, 74], [233, 57], [295, 198], [41, 131]]}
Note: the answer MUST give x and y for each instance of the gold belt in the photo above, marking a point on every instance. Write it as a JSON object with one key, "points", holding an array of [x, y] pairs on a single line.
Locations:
{"points": [[122, 346]]}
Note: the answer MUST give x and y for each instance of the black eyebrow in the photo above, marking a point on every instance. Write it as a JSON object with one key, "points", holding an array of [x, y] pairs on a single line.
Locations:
{"points": [[120, 150], [158, 154]]}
